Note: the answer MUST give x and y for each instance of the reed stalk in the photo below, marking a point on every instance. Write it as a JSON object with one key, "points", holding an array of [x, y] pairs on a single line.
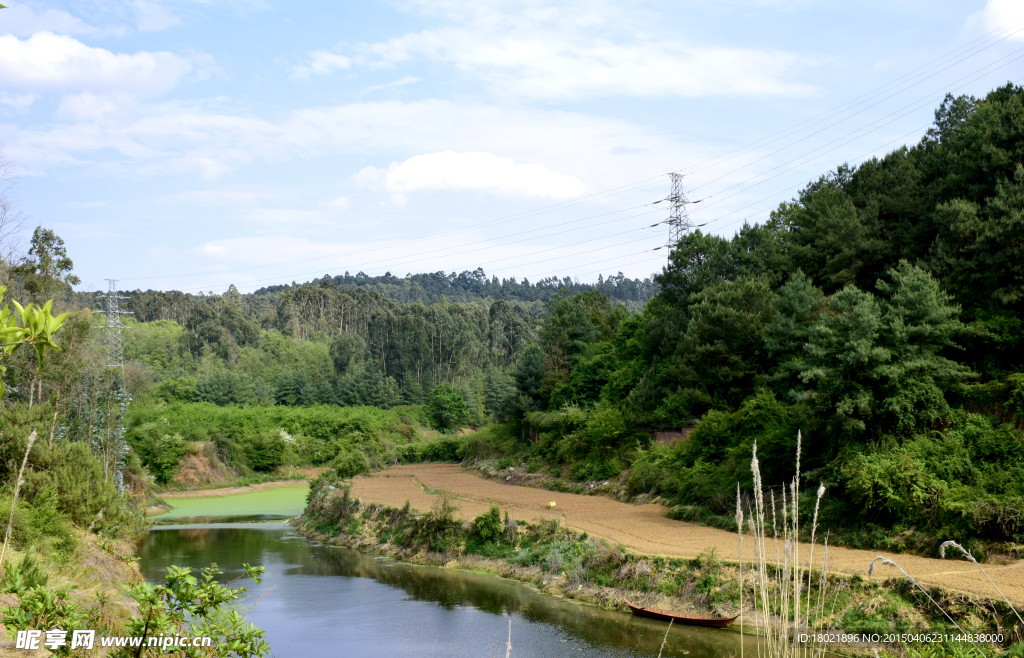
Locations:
{"points": [[665, 639], [14, 500], [890, 563], [783, 610], [739, 534], [969, 556]]}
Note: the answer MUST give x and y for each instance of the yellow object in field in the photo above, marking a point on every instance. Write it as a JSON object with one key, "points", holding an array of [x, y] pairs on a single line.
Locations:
{"points": [[551, 505]]}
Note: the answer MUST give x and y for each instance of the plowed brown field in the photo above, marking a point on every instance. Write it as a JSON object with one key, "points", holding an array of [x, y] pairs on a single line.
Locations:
{"points": [[645, 528]]}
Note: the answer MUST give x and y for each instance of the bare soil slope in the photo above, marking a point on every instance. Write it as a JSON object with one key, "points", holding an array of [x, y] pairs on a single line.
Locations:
{"points": [[645, 528]]}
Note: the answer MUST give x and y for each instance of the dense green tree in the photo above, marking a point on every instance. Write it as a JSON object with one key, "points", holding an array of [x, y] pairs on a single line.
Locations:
{"points": [[723, 351], [875, 365], [447, 407], [798, 305], [290, 388], [347, 351]]}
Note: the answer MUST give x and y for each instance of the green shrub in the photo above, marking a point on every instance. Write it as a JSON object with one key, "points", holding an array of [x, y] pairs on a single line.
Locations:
{"points": [[28, 573], [444, 449], [181, 389], [159, 450], [264, 452], [350, 463], [595, 468], [896, 483], [488, 525], [39, 521]]}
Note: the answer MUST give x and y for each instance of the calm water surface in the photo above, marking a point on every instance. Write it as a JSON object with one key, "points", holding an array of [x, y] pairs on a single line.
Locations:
{"points": [[331, 601]]}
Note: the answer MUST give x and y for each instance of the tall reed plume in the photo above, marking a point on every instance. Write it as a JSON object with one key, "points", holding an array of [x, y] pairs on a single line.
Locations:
{"points": [[782, 609]]}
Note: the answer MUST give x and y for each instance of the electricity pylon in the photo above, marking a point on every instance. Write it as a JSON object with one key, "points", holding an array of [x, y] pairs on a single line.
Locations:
{"points": [[113, 326], [679, 223], [108, 439]]}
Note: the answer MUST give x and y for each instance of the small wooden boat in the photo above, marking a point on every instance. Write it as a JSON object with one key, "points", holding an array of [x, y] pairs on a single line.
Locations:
{"points": [[681, 617]]}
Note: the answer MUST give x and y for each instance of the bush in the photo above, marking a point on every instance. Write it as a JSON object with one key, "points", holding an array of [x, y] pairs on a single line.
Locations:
{"points": [[351, 463], [488, 525], [264, 452], [159, 450], [369, 387], [182, 389]]}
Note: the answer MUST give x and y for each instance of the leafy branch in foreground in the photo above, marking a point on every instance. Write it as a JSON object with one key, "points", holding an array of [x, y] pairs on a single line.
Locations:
{"points": [[183, 606], [187, 605], [36, 329]]}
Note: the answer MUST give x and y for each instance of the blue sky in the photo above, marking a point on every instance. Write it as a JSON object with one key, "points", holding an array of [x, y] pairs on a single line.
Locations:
{"points": [[191, 144]]}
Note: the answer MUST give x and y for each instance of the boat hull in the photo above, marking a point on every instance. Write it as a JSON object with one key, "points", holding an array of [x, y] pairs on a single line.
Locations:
{"points": [[681, 617]]}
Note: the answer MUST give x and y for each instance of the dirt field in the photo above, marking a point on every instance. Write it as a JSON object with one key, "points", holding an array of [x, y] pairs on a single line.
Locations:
{"points": [[645, 529]]}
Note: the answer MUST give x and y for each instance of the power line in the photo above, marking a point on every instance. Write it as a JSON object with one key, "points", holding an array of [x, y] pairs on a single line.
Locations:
{"points": [[787, 132], [679, 199], [604, 237], [647, 182], [381, 263], [920, 102]]}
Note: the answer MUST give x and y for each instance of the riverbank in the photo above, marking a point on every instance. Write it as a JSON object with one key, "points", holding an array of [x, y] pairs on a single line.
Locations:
{"points": [[646, 529], [564, 562]]}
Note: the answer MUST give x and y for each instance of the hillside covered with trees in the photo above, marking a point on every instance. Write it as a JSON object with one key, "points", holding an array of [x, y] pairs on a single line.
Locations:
{"points": [[878, 314]]}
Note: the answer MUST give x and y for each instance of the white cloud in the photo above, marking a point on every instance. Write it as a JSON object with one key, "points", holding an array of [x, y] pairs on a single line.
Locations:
{"points": [[286, 217], [337, 204], [266, 248], [540, 51], [242, 195], [321, 62], [89, 107], [153, 17], [401, 82], [1000, 14], [175, 138], [49, 61], [20, 102], [472, 171], [564, 66], [24, 21]]}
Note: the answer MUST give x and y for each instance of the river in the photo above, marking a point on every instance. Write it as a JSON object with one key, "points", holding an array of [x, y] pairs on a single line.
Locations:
{"points": [[331, 601]]}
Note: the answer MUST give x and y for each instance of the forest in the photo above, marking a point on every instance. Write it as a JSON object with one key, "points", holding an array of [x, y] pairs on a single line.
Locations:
{"points": [[877, 315]]}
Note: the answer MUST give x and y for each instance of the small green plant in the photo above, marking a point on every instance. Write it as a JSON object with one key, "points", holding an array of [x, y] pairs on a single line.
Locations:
{"points": [[25, 575]]}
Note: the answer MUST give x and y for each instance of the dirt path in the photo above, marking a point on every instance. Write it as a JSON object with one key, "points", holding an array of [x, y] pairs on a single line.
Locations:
{"points": [[645, 528]]}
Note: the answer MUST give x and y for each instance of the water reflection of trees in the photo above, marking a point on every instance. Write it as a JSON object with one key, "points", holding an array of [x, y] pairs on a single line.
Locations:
{"points": [[231, 547]]}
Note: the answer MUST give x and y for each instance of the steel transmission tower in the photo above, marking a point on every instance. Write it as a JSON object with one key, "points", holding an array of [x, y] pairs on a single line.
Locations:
{"points": [[678, 221], [112, 328], [108, 440]]}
